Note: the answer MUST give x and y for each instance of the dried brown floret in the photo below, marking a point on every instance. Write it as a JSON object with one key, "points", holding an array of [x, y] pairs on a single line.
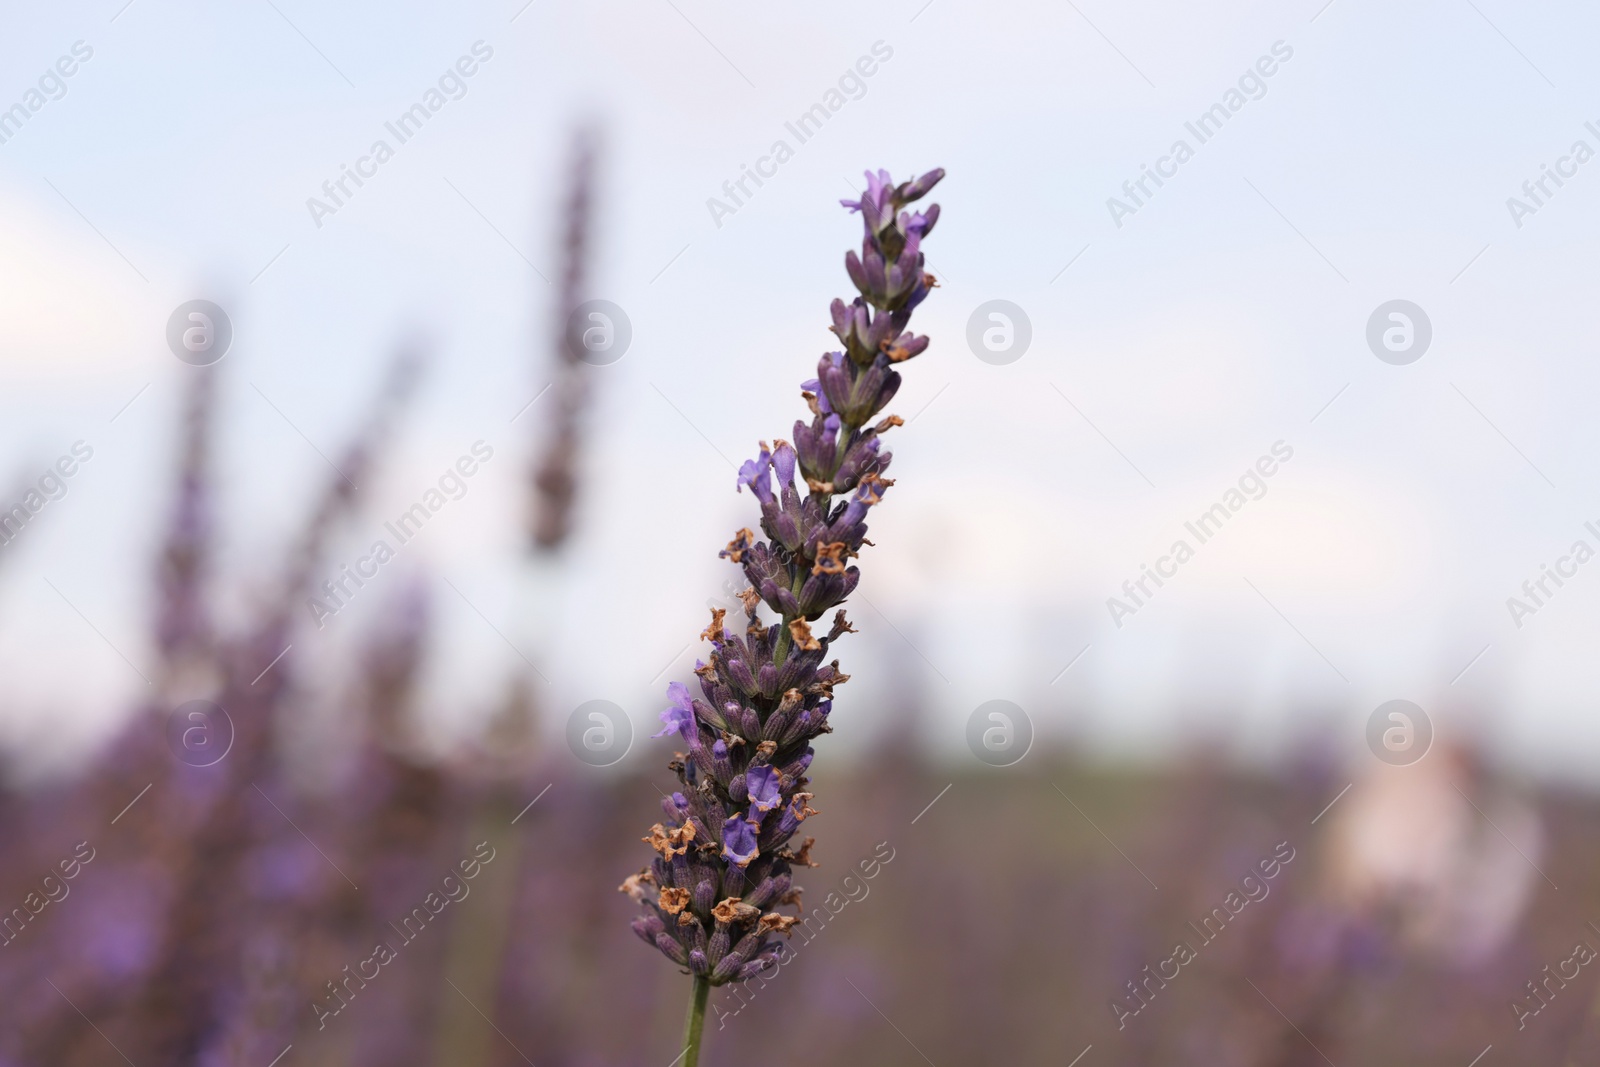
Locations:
{"points": [[802, 635], [634, 885], [669, 843], [872, 487], [734, 910], [773, 921], [742, 542], [801, 858], [806, 810], [714, 631], [830, 558], [841, 626]]}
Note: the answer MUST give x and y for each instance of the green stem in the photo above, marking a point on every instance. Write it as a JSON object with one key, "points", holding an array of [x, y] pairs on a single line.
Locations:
{"points": [[695, 1023]]}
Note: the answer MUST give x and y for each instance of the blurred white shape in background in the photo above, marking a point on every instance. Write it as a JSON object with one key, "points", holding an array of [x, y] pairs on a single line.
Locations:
{"points": [[1451, 854]]}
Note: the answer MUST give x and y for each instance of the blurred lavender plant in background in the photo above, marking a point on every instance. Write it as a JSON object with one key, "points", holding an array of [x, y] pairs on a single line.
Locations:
{"points": [[555, 475]]}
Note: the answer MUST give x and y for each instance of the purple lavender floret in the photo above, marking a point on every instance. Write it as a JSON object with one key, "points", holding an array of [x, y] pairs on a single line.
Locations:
{"points": [[738, 840], [677, 719], [763, 787], [723, 857]]}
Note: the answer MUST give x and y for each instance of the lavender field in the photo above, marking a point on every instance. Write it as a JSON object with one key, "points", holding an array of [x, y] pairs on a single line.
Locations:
{"points": [[1005, 921]]}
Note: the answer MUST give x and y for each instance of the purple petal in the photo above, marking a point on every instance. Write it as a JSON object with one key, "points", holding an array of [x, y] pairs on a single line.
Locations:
{"points": [[762, 783], [756, 473], [676, 807], [679, 717], [783, 462], [738, 841], [920, 188]]}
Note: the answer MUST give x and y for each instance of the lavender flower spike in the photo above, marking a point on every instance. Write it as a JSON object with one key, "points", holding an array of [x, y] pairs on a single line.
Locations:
{"points": [[723, 863]]}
